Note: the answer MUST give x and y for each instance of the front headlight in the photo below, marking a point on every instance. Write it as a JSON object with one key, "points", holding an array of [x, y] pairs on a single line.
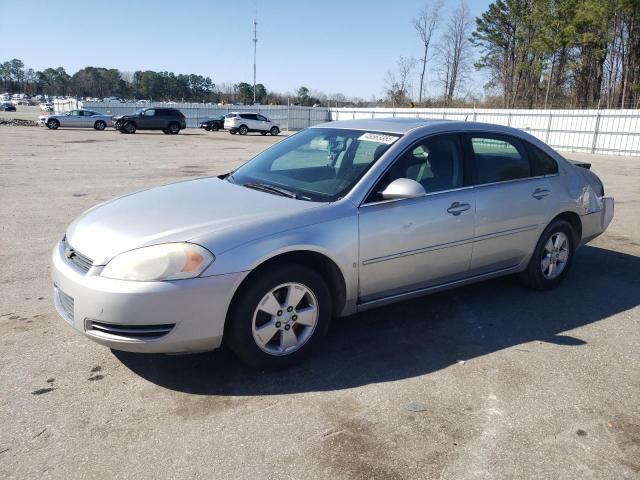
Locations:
{"points": [[168, 261]]}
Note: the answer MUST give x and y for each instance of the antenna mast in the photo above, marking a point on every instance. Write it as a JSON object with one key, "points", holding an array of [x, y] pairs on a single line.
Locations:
{"points": [[255, 44]]}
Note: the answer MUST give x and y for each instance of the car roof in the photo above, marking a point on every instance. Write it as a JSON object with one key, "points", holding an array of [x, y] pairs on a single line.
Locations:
{"points": [[420, 125], [390, 125]]}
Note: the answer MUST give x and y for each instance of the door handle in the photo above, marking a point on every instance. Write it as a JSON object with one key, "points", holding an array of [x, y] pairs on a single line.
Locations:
{"points": [[540, 193], [457, 208]]}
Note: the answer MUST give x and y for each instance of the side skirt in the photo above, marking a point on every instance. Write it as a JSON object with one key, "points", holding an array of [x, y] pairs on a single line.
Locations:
{"points": [[399, 297]]}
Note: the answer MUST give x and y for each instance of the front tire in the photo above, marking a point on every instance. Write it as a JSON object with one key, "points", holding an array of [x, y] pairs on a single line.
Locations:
{"points": [[129, 128], [100, 125], [274, 131], [279, 317], [53, 124], [552, 258], [174, 128]]}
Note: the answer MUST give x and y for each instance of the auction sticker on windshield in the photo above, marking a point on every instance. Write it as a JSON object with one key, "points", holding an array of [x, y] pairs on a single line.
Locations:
{"points": [[379, 138]]}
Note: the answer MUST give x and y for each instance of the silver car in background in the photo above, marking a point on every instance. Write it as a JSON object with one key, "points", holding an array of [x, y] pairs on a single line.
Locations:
{"points": [[77, 119], [337, 219]]}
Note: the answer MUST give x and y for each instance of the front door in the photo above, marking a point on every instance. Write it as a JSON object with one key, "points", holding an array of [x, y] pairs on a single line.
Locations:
{"points": [[511, 203], [72, 119], [411, 244], [148, 119]]}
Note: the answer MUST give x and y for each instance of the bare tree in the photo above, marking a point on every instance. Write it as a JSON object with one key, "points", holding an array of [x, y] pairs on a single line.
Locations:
{"points": [[425, 24], [455, 50], [398, 82]]}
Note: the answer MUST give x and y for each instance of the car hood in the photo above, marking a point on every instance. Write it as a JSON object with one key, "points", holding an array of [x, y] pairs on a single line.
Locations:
{"points": [[130, 115], [212, 212]]}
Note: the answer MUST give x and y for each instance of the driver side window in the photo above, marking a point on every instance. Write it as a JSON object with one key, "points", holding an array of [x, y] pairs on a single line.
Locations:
{"points": [[149, 113], [436, 163]]}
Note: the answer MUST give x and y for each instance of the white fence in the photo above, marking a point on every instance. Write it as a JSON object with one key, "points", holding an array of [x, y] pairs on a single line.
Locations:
{"points": [[288, 117], [615, 132]]}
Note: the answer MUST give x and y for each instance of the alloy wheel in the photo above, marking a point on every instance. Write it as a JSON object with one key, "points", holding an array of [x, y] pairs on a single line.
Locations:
{"points": [[285, 319], [555, 256]]}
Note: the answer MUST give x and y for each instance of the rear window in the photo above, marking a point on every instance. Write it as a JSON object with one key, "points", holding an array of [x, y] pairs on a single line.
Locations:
{"points": [[498, 159], [543, 164]]}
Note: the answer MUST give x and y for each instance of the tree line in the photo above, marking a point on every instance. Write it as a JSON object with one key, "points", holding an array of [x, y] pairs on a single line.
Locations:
{"points": [[162, 86], [535, 53]]}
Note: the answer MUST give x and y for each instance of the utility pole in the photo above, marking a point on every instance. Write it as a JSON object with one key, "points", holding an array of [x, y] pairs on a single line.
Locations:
{"points": [[255, 45]]}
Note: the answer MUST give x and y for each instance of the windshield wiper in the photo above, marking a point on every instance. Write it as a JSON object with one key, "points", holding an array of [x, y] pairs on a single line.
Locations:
{"points": [[271, 189]]}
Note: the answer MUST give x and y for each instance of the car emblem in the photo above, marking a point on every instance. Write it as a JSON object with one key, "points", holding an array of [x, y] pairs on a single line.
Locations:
{"points": [[68, 252]]}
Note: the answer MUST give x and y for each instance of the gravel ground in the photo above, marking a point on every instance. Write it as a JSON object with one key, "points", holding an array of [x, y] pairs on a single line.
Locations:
{"points": [[486, 381]]}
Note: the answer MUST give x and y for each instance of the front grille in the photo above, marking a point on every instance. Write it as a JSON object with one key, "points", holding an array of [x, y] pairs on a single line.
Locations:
{"points": [[127, 332], [66, 302], [75, 257]]}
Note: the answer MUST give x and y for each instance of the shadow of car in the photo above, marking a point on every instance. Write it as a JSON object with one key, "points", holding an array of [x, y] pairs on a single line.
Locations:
{"points": [[417, 337]]}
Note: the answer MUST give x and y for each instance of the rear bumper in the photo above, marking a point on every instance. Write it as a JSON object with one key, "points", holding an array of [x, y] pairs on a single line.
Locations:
{"points": [[594, 224], [195, 309]]}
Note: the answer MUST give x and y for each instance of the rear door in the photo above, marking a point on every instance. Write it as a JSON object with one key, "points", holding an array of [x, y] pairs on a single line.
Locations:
{"points": [[87, 118], [250, 121], [511, 202]]}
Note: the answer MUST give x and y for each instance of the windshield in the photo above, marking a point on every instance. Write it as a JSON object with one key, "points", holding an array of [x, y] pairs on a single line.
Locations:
{"points": [[317, 164]]}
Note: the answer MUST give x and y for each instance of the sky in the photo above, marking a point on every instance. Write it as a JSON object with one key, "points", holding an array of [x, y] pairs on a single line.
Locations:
{"points": [[343, 46]]}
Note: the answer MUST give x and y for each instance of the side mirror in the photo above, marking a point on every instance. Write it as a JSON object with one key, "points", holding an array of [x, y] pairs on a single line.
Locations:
{"points": [[403, 188]]}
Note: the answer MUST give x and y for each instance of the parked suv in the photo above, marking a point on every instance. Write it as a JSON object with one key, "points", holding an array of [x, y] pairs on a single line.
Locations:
{"points": [[244, 123], [169, 120]]}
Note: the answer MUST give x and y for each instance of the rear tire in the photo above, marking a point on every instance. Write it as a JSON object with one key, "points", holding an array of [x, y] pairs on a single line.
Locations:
{"points": [[287, 339], [53, 124], [263, 133], [208, 129], [243, 130], [232, 132], [100, 125], [552, 257], [274, 131]]}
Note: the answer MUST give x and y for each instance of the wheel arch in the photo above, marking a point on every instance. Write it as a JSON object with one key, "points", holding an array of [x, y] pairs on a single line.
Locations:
{"points": [[317, 261], [574, 220]]}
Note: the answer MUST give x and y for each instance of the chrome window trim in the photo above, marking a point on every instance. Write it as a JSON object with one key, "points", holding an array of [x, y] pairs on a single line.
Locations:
{"points": [[515, 180]]}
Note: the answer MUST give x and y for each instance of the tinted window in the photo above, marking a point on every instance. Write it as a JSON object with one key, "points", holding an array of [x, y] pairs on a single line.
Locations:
{"points": [[498, 159], [543, 164], [149, 113], [436, 163], [261, 118]]}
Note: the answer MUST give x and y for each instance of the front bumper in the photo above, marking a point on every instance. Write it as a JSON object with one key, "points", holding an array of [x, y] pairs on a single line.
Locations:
{"points": [[195, 308]]}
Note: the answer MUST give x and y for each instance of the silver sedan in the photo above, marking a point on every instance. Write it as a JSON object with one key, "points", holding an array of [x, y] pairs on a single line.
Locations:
{"points": [[336, 219], [76, 118]]}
